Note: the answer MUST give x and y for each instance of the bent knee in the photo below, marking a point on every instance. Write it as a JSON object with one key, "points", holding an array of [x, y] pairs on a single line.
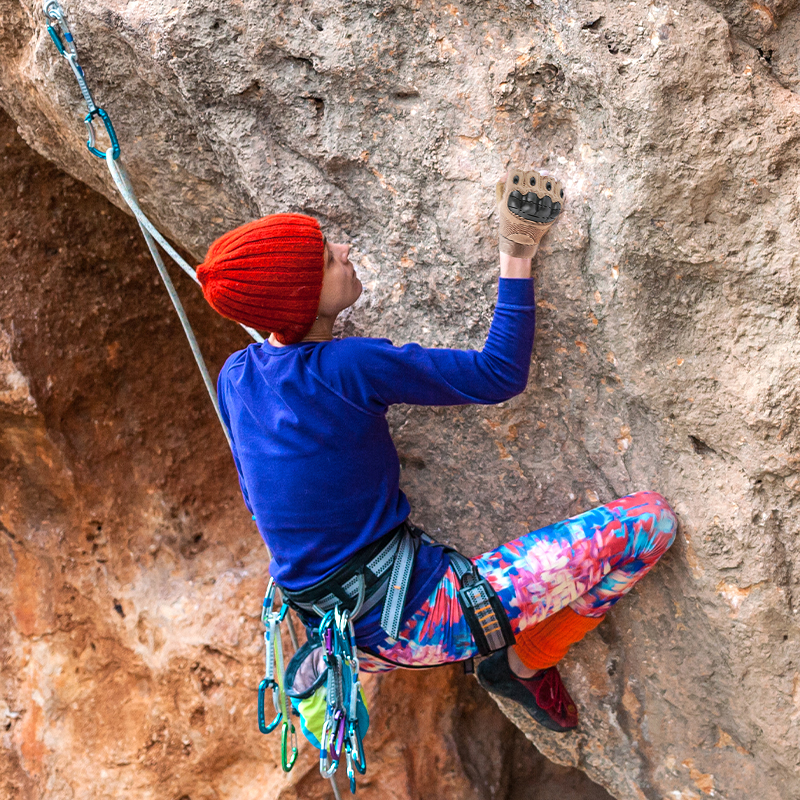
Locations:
{"points": [[655, 507]]}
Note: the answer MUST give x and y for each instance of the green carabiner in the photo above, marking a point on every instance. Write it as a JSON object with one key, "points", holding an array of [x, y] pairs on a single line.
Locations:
{"points": [[285, 728]]}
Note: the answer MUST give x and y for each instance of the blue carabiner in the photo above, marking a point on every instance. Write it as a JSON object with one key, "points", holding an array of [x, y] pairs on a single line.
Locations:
{"points": [[56, 39], [90, 142], [265, 684], [357, 751]]}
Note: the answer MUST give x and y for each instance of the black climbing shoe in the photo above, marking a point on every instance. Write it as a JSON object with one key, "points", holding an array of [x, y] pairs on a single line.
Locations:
{"points": [[543, 696]]}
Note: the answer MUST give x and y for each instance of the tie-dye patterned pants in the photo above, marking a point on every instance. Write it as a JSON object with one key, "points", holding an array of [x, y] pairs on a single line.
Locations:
{"points": [[587, 562]]}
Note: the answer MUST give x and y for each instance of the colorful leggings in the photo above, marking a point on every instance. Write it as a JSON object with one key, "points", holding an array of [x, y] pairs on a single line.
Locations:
{"points": [[587, 562]]}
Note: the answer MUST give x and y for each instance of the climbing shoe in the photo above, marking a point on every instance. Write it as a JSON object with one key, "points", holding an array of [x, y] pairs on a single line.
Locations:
{"points": [[528, 204], [543, 696]]}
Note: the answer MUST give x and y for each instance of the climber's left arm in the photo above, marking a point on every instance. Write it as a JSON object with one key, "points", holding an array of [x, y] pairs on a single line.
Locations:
{"points": [[374, 374]]}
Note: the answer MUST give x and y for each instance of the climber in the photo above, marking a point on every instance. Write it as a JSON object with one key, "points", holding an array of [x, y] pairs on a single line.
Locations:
{"points": [[319, 472]]}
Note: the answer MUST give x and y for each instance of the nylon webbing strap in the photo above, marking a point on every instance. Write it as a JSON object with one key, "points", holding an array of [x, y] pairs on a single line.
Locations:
{"points": [[397, 588], [379, 565], [460, 564]]}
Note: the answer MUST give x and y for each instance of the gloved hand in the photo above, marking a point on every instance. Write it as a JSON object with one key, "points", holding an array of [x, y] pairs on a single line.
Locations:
{"points": [[528, 204]]}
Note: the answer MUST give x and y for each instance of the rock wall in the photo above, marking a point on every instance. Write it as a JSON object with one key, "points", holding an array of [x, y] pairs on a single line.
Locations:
{"points": [[667, 350], [131, 576]]}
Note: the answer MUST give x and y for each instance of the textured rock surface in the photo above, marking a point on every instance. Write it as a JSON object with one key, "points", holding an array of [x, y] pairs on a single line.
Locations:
{"points": [[130, 575], [667, 352]]}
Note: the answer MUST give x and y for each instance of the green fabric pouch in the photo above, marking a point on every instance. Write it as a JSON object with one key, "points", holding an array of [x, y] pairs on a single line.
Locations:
{"points": [[306, 686]]}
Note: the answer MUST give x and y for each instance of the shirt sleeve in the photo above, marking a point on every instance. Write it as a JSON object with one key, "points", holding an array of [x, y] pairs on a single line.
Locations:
{"points": [[374, 374]]}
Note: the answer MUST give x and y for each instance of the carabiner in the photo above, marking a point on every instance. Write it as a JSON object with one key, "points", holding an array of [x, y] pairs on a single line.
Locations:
{"points": [[272, 644], [269, 598], [53, 11], [285, 734], [337, 740], [56, 40], [91, 140], [326, 632], [350, 774], [327, 765], [268, 683], [269, 601], [356, 747]]}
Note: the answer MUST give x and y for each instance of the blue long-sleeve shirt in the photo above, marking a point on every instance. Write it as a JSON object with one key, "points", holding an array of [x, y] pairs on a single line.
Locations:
{"points": [[316, 462]]}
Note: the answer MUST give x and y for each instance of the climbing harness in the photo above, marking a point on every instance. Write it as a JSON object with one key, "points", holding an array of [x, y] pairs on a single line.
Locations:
{"points": [[321, 683], [380, 571]]}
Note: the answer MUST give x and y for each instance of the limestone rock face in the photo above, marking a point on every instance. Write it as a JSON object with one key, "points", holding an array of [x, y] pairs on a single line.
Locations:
{"points": [[667, 350]]}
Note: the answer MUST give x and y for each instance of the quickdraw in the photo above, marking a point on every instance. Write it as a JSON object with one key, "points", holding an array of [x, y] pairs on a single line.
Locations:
{"points": [[341, 729], [62, 37], [273, 680], [337, 687]]}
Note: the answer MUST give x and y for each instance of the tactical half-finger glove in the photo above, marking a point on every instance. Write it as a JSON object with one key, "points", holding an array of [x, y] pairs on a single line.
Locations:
{"points": [[528, 204]]}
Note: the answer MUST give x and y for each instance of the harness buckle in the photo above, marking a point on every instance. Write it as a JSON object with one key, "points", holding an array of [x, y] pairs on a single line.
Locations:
{"points": [[484, 613]]}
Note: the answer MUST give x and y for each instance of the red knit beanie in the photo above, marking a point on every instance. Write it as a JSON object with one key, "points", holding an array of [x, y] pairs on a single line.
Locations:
{"points": [[267, 274]]}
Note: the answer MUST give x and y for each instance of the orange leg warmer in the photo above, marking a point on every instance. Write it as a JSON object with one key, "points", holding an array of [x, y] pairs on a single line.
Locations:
{"points": [[547, 642]]}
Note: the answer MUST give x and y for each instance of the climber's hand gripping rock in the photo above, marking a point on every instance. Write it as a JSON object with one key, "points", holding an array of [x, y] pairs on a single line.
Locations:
{"points": [[528, 204]]}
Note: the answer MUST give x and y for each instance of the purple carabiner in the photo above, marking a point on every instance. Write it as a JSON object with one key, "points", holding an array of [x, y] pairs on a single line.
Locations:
{"points": [[337, 741], [328, 641]]}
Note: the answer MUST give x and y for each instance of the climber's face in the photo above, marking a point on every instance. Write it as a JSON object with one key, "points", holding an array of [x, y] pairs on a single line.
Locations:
{"points": [[340, 284]]}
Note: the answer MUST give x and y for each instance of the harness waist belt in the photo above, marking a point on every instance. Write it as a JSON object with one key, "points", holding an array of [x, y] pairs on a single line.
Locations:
{"points": [[380, 571]]}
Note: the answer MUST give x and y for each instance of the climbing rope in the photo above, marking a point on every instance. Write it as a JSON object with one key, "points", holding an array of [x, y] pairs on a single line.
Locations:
{"points": [[344, 717], [60, 33]]}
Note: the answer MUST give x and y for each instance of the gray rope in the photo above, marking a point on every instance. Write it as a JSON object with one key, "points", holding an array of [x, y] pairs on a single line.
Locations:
{"points": [[151, 236], [126, 190], [121, 179]]}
